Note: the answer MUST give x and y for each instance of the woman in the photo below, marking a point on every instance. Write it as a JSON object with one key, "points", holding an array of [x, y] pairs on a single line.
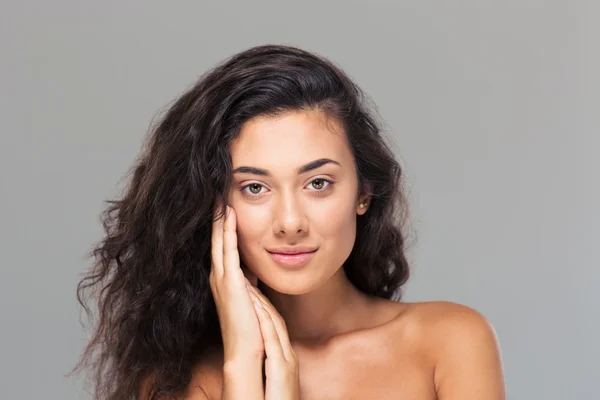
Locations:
{"points": [[258, 253]]}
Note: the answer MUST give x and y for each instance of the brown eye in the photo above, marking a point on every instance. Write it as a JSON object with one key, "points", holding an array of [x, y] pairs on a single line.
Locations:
{"points": [[254, 188], [318, 184]]}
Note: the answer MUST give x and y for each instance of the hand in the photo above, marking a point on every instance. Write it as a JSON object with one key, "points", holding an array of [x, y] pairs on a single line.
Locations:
{"points": [[281, 364], [242, 338]]}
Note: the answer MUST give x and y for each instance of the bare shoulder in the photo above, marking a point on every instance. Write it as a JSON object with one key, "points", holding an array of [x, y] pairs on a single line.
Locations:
{"points": [[463, 346], [449, 326], [436, 319], [444, 315], [205, 383], [207, 379]]}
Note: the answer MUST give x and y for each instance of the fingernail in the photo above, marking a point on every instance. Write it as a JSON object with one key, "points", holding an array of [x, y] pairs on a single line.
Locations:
{"points": [[226, 211]]}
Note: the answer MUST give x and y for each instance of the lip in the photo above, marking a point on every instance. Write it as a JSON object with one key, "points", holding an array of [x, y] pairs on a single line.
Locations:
{"points": [[292, 257], [292, 250]]}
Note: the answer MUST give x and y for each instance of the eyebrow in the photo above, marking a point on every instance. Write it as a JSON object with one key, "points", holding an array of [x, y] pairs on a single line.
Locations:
{"points": [[305, 168]]}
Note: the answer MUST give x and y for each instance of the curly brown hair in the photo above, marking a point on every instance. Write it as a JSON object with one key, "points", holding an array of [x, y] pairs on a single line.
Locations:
{"points": [[156, 314]]}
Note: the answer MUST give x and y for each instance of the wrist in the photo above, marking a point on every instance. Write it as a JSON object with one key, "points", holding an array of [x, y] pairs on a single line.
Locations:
{"points": [[246, 356], [242, 378], [242, 362]]}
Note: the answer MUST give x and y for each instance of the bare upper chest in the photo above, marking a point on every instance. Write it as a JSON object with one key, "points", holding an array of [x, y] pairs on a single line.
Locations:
{"points": [[358, 372], [391, 362], [366, 368]]}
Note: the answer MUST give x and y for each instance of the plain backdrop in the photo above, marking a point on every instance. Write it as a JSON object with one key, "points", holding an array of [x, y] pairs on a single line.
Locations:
{"points": [[493, 107]]}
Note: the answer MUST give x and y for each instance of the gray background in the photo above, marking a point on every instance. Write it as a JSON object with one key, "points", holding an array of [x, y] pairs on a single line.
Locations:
{"points": [[493, 106]]}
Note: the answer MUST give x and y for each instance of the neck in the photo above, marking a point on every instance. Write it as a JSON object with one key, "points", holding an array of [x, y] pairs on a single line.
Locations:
{"points": [[334, 308]]}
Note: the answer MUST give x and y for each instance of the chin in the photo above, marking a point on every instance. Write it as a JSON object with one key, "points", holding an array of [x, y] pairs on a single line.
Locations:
{"points": [[293, 286], [294, 283]]}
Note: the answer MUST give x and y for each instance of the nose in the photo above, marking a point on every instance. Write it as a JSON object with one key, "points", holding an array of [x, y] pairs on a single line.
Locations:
{"points": [[290, 220]]}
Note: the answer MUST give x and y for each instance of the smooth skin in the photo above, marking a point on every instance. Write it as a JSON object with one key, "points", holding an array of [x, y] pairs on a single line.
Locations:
{"points": [[242, 339], [322, 338], [251, 328]]}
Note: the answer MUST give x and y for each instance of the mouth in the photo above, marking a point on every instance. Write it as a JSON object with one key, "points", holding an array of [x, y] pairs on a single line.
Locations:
{"points": [[292, 257]]}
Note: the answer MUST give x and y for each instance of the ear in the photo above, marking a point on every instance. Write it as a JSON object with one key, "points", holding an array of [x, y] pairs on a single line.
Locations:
{"points": [[364, 200]]}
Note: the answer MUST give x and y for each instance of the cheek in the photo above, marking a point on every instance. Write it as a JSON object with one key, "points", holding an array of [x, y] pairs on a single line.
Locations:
{"points": [[250, 219], [336, 223], [252, 225]]}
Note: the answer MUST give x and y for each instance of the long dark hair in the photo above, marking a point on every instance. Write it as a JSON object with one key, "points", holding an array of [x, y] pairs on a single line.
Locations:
{"points": [[155, 309]]}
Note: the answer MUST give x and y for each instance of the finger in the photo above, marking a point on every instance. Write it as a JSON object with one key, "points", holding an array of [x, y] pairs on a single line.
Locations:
{"points": [[278, 323], [271, 340], [231, 257], [217, 242]]}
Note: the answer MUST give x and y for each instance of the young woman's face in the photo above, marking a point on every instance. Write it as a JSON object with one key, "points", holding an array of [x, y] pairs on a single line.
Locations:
{"points": [[294, 186]]}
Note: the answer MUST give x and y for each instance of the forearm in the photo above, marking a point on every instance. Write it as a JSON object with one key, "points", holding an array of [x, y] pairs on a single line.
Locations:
{"points": [[242, 379]]}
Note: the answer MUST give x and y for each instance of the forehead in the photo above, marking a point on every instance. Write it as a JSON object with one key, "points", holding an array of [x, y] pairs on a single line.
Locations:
{"points": [[290, 140]]}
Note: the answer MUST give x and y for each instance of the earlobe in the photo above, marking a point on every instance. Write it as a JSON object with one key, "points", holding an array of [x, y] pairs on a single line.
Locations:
{"points": [[363, 201], [362, 207]]}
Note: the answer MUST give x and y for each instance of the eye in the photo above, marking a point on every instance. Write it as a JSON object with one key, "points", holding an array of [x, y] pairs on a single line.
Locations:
{"points": [[253, 189], [320, 184]]}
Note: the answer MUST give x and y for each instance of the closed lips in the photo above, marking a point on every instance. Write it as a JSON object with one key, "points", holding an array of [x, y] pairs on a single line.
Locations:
{"points": [[289, 251]]}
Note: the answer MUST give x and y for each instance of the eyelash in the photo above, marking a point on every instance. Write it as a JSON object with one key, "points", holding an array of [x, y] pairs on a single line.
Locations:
{"points": [[319, 192]]}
